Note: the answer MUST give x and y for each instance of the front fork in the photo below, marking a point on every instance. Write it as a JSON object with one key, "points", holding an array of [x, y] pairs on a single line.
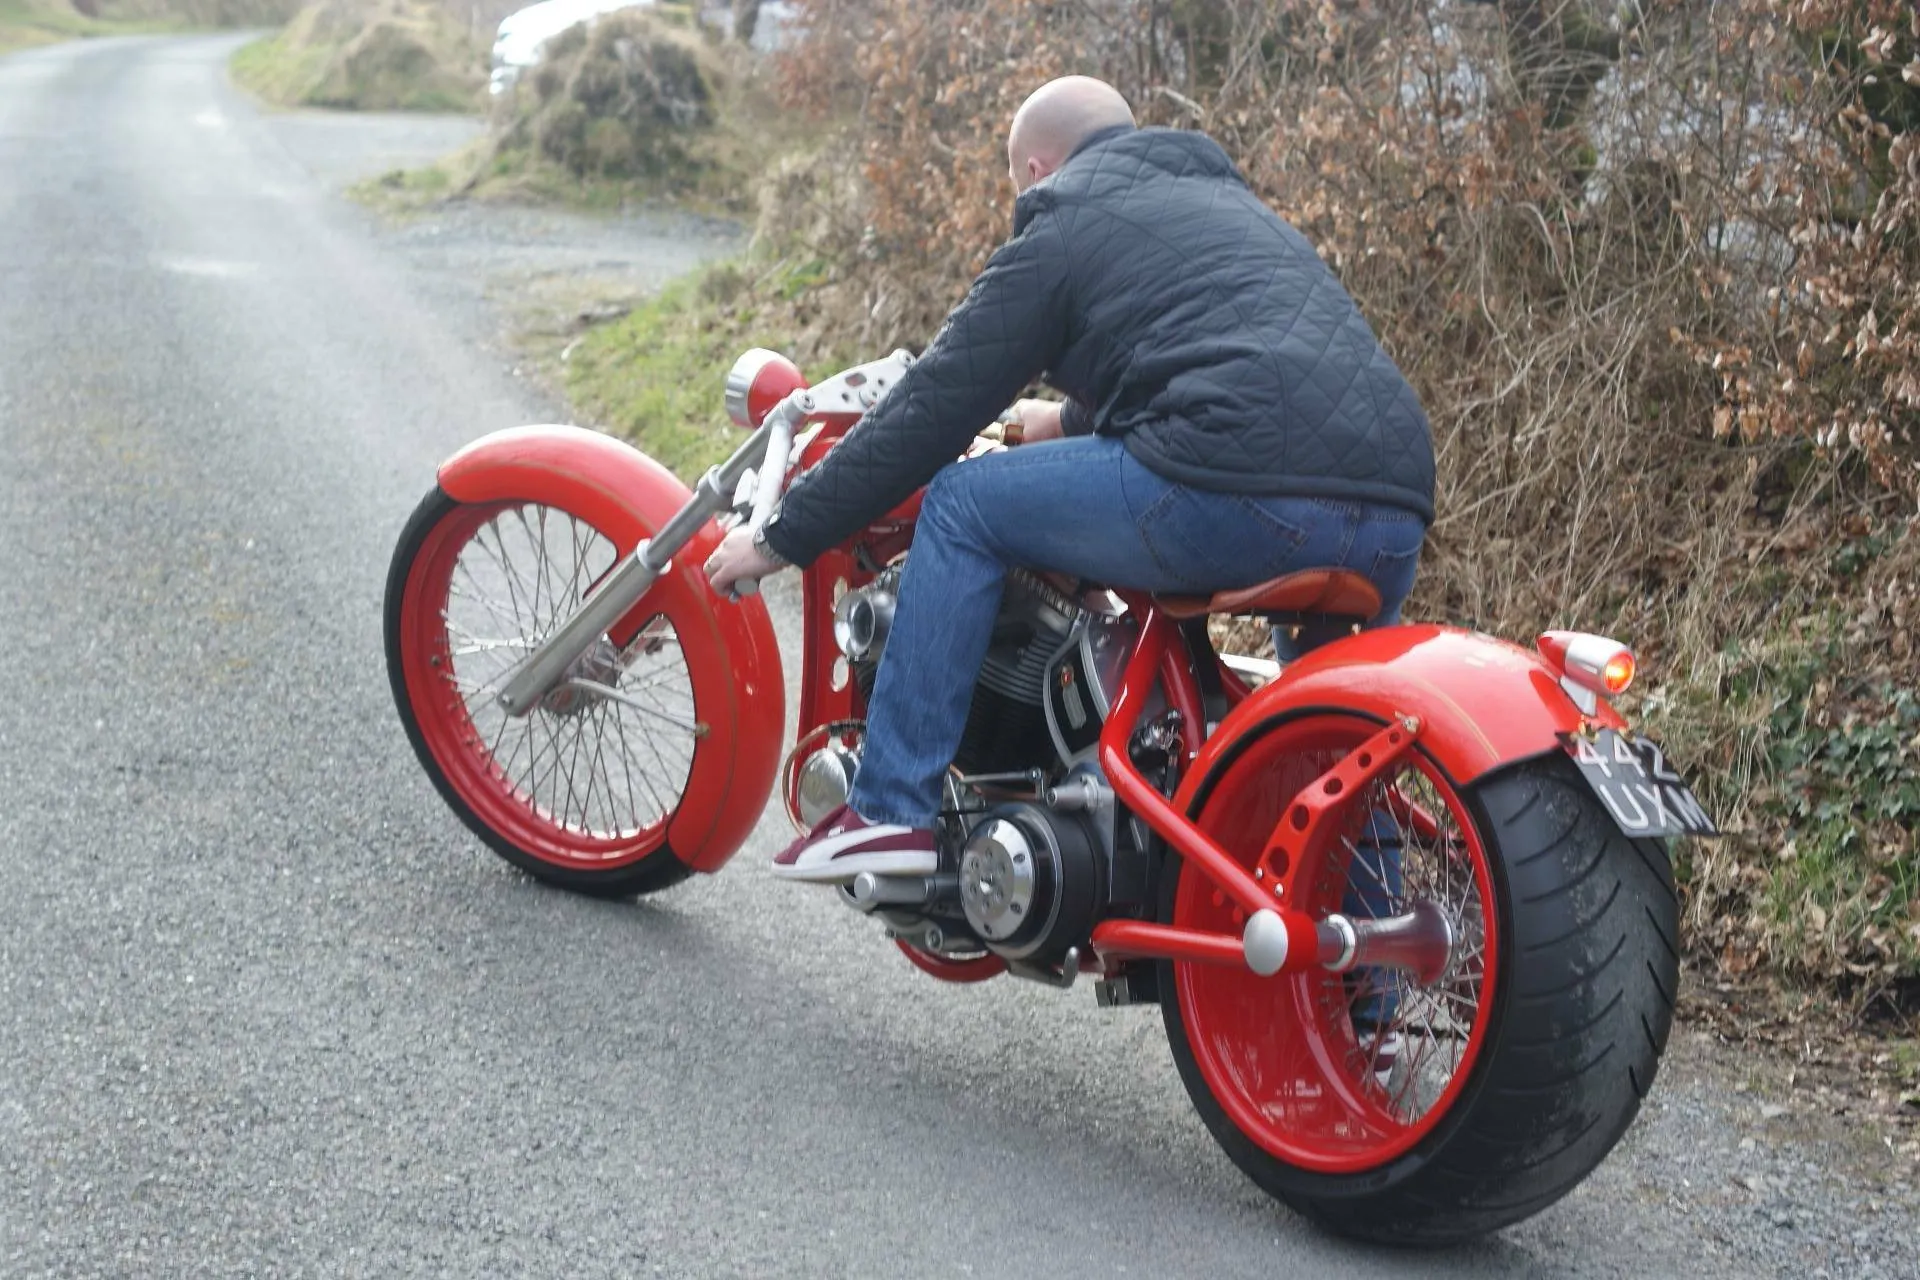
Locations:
{"points": [[850, 392], [548, 665], [1279, 937]]}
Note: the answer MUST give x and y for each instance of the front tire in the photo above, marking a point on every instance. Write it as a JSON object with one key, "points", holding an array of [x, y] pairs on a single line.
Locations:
{"points": [[580, 792], [1533, 1069]]}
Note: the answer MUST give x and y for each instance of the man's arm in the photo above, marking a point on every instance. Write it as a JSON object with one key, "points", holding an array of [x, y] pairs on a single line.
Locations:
{"points": [[1007, 330]]}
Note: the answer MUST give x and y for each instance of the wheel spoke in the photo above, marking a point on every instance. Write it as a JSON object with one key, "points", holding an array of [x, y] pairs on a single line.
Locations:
{"points": [[635, 768], [594, 769], [508, 619], [493, 748], [539, 540], [688, 727], [553, 753], [1375, 873], [572, 752], [619, 737], [521, 595]]}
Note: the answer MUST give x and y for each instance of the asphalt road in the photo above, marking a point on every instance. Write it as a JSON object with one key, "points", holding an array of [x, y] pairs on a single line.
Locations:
{"points": [[266, 1009]]}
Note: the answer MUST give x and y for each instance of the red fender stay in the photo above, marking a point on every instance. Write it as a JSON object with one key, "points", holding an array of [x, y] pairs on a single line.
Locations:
{"points": [[732, 654]]}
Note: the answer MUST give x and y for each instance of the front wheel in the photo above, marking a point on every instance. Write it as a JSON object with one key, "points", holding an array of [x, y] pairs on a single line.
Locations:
{"points": [[581, 791], [1422, 1114]]}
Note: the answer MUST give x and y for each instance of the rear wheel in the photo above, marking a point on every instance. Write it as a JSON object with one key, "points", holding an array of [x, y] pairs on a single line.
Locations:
{"points": [[1395, 1111], [580, 791]]}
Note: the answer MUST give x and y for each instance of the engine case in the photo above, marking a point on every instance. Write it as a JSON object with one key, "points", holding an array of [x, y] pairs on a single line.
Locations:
{"points": [[1032, 880]]}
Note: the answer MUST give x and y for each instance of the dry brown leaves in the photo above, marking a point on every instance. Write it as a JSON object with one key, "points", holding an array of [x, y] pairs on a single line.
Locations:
{"points": [[1670, 346]]}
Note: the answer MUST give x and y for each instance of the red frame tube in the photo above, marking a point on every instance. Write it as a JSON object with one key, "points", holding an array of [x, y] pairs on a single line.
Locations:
{"points": [[1123, 939], [1139, 795], [1155, 657], [1183, 695]]}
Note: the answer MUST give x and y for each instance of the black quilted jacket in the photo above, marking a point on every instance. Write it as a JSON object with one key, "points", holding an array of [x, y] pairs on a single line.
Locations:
{"points": [[1175, 310]]}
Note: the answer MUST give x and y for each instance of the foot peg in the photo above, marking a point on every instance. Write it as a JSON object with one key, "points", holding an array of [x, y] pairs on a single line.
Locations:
{"points": [[869, 892]]}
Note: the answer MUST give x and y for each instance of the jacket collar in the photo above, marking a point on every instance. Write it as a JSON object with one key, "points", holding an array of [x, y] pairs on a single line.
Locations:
{"points": [[1107, 134]]}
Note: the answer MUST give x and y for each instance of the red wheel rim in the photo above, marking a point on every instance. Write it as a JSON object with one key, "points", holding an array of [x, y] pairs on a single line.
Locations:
{"points": [[574, 783], [1282, 1055]]}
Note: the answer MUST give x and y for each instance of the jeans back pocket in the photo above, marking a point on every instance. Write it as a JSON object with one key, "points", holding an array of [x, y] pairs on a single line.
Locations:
{"points": [[1218, 541]]}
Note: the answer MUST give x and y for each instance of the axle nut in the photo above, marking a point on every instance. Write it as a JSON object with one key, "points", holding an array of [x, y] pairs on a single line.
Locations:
{"points": [[1265, 943]]}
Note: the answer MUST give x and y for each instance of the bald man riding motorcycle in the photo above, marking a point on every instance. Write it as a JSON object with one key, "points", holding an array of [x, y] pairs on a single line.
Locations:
{"points": [[1230, 417]]}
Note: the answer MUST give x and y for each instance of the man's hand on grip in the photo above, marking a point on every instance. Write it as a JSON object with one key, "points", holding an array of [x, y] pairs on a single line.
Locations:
{"points": [[1038, 420]]}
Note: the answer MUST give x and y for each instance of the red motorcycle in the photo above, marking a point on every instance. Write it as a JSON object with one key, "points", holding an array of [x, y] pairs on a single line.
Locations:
{"points": [[1405, 904]]}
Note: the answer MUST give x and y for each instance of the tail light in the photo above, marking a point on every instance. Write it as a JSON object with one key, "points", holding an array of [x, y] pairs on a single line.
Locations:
{"points": [[1588, 665]]}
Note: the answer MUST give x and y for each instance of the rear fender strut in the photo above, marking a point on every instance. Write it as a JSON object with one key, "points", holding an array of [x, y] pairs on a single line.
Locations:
{"points": [[1470, 702], [1277, 938]]}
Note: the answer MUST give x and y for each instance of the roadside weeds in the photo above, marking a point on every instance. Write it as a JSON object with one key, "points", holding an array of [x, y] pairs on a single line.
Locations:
{"points": [[29, 24]]}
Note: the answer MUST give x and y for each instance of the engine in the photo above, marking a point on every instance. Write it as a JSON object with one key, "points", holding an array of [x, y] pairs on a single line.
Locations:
{"points": [[1031, 854], [1048, 680]]}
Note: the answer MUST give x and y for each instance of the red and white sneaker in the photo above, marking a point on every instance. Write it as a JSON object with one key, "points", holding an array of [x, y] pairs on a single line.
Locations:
{"points": [[844, 844]]}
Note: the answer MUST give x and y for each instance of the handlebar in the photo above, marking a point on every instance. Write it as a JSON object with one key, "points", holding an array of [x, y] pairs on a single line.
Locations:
{"points": [[854, 390], [770, 480]]}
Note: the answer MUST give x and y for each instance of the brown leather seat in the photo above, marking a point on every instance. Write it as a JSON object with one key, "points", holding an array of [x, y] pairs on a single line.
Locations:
{"points": [[1326, 593]]}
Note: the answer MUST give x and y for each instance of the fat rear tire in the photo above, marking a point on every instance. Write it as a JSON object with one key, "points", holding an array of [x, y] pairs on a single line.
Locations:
{"points": [[1589, 970]]}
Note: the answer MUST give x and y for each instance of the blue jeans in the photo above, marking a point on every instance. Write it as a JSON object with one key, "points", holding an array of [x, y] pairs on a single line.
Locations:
{"points": [[1087, 508]]}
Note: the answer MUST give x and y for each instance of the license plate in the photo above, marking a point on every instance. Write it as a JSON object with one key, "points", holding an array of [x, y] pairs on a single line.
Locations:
{"points": [[1637, 785]]}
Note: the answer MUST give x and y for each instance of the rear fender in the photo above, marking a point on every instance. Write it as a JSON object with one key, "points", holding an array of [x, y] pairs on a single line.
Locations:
{"points": [[1482, 703], [732, 654]]}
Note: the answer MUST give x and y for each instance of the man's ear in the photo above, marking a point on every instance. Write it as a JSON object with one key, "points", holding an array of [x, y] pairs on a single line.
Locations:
{"points": [[1036, 170]]}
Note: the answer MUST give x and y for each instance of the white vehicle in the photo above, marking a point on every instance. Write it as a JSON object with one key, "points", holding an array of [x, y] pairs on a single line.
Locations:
{"points": [[523, 35]]}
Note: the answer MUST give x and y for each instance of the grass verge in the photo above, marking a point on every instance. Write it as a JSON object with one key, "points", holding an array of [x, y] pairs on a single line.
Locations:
{"points": [[656, 376], [271, 71], [489, 171], [25, 24]]}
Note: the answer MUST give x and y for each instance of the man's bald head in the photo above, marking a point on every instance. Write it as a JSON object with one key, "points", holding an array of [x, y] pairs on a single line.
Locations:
{"points": [[1059, 116]]}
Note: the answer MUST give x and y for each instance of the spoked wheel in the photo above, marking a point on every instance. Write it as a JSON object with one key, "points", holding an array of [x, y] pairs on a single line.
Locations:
{"points": [[1349, 1071], [581, 790], [1398, 1110]]}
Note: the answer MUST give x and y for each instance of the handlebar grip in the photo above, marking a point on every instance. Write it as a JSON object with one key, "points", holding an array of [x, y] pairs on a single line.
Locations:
{"points": [[1007, 429], [744, 587]]}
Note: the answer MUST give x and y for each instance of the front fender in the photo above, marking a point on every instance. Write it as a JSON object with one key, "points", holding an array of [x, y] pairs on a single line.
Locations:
{"points": [[733, 657], [1482, 702]]}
